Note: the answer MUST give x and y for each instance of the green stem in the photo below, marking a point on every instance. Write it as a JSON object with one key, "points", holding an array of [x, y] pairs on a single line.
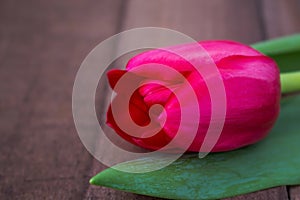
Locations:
{"points": [[284, 50], [281, 45], [290, 82]]}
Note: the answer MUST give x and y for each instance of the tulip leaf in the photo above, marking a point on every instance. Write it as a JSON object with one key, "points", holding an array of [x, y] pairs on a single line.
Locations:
{"points": [[272, 162], [284, 50]]}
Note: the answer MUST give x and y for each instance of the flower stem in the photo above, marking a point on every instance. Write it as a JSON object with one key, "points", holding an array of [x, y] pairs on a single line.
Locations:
{"points": [[284, 50], [280, 45], [290, 82]]}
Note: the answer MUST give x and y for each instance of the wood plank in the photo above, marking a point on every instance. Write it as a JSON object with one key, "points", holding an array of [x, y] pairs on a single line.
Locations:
{"points": [[202, 20], [282, 18], [42, 45], [294, 192]]}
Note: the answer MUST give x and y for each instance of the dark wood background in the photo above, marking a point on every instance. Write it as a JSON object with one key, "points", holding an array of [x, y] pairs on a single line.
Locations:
{"points": [[42, 44]]}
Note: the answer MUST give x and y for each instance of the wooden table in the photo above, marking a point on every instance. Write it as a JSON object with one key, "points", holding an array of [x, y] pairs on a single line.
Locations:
{"points": [[42, 44]]}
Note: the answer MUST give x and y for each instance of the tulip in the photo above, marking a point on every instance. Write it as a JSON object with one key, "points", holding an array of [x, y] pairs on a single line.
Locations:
{"points": [[252, 85]]}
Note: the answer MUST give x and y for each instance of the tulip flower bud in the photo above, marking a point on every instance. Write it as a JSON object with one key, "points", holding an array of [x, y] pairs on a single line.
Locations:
{"points": [[251, 82]]}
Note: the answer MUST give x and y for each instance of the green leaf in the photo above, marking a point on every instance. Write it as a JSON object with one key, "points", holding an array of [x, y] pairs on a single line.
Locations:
{"points": [[284, 50], [272, 162]]}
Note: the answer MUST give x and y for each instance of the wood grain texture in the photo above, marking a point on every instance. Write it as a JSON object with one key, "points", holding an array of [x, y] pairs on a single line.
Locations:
{"points": [[282, 17], [294, 192], [200, 19], [232, 19], [42, 44]]}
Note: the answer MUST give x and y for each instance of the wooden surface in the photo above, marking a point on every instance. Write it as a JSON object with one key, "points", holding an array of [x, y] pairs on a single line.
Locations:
{"points": [[42, 44]]}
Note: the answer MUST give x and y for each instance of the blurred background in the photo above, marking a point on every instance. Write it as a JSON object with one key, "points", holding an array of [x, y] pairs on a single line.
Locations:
{"points": [[42, 44]]}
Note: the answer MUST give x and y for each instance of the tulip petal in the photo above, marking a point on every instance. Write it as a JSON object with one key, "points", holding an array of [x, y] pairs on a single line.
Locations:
{"points": [[251, 82], [217, 50], [138, 112], [114, 76], [156, 93], [269, 163]]}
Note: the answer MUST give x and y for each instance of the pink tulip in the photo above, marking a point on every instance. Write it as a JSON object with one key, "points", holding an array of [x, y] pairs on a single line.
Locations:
{"points": [[252, 86]]}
